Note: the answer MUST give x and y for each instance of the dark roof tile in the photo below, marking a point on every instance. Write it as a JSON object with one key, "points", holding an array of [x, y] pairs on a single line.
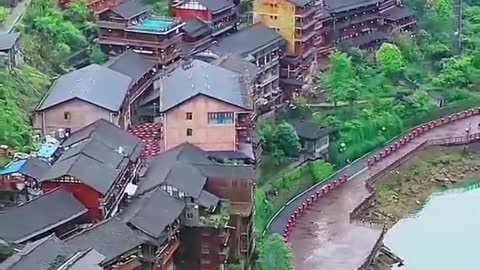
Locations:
{"points": [[158, 211], [38, 216], [201, 78], [94, 84], [8, 40], [216, 6], [310, 130], [129, 9], [132, 64], [248, 40], [111, 238]]}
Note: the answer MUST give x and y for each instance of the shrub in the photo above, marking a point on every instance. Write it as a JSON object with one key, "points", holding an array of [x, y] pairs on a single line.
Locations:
{"points": [[320, 169], [4, 13]]}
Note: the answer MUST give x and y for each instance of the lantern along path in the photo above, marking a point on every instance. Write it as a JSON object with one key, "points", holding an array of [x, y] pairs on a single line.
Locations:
{"points": [[324, 238]]}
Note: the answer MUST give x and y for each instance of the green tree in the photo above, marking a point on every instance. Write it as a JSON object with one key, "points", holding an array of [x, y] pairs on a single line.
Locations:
{"points": [[340, 78], [50, 37], [97, 56], [4, 13], [77, 12], [389, 58], [454, 72], [274, 254], [286, 139]]}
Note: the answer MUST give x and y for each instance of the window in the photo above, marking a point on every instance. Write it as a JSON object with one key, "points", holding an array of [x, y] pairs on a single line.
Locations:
{"points": [[189, 116], [189, 132], [66, 116], [220, 118]]}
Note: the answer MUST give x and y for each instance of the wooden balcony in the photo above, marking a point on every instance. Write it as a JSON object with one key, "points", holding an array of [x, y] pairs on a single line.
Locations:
{"points": [[305, 24], [304, 37], [306, 11], [131, 41], [168, 251]]}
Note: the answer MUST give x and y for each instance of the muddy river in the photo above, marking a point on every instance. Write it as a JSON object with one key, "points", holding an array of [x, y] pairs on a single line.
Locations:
{"points": [[443, 235]]}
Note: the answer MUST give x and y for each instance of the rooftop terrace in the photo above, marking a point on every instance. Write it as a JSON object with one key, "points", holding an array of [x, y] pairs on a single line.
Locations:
{"points": [[156, 25]]}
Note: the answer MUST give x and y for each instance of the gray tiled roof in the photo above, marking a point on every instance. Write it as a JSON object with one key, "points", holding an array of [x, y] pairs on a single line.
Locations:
{"points": [[132, 64], [110, 135], [397, 13], [248, 40], [187, 168], [239, 65], [216, 6], [38, 216], [300, 3], [196, 27], [111, 238], [157, 212], [92, 155], [7, 41], [93, 172], [129, 9], [45, 254], [35, 168], [310, 130], [95, 84], [51, 253], [207, 199], [202, 78], [336, 6]]}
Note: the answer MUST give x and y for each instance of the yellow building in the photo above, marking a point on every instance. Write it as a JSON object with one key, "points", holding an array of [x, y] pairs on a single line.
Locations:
{"points": [[293, 19]]}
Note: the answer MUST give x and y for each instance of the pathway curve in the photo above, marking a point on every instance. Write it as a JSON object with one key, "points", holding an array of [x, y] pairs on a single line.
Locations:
{"points": [[324, 238]]}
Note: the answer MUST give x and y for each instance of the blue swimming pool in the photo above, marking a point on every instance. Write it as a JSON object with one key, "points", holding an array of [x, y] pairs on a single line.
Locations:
{"points": [[154, 24]]}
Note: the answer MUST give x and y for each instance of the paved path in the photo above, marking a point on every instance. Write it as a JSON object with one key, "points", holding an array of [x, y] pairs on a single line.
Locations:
{"points": [[14, 17], [324, 237]]}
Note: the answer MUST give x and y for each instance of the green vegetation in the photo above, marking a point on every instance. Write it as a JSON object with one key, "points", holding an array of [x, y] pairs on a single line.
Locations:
{"points": [[97, 56], [20, 90], [157, 7], [280, 140], [50, 35], [274, 254], [272, 195], [4, 13]]}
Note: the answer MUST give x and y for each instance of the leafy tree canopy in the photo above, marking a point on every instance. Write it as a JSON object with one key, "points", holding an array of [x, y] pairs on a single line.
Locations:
{"points": [[274, 254], [389, 58]]}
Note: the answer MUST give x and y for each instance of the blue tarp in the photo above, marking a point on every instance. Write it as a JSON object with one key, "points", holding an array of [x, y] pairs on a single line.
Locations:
{"points": [[13, 167], [47, 150]]}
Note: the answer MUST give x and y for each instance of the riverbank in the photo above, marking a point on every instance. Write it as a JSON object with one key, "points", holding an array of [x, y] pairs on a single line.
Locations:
{"points": [[403, 192]]}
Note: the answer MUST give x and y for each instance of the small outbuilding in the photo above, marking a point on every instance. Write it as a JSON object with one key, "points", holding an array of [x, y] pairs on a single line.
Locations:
{"points": [[314, 138]]}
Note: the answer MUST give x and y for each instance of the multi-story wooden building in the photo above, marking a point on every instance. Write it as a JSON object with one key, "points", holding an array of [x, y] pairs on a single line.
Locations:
{"points": [[261, 46], [295, 21], [217, 217], [312, 28], [221, 16], [130, 26], [99, 163]]}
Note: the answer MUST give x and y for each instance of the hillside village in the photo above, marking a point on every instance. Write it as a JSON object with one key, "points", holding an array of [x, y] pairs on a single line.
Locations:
{"points": [[147, 160]]}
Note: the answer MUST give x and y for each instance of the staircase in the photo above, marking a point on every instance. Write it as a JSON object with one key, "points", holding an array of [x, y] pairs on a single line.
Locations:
{"points": [[150, 135]]}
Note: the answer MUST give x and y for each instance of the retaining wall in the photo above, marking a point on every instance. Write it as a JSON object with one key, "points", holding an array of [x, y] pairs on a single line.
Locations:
{"points": [[418, 131]]}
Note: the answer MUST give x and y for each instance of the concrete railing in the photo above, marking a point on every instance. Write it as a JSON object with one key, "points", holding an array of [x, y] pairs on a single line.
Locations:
{"points": [[357, 213], [328, 185]]}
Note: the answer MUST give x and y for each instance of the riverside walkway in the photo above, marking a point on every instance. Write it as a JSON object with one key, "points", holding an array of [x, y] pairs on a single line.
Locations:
{"points": [[323, 237]]}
